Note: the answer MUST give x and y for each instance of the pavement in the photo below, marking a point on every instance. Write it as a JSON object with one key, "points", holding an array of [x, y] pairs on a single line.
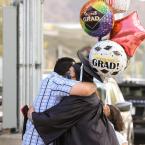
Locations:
{"points": [[6, 138], [10, 139], [15, 139]]}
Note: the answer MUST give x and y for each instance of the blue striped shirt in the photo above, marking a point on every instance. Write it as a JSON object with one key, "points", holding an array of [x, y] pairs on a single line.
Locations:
{"points": [[53, 88]]}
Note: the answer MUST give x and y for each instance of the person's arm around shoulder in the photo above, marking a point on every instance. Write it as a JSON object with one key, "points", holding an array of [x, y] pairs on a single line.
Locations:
{"points": [[73, 87]]}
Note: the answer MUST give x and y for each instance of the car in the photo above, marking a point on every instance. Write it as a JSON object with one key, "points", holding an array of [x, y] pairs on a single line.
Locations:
{"points": [[134, 91], [110, 93]]}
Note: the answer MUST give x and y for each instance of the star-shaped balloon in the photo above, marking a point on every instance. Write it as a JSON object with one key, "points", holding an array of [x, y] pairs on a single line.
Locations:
{"points": [[129, 33]]}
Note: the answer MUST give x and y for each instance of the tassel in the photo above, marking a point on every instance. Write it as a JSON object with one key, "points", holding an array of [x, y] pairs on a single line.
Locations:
{"points": [[81, 73]]}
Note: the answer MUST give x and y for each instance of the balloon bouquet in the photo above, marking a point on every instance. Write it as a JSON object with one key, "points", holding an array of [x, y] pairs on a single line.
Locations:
{"points": [[109, 57]]}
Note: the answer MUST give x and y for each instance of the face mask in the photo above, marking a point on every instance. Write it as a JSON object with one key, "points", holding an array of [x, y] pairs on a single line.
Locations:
{"points": [[67, 75]]}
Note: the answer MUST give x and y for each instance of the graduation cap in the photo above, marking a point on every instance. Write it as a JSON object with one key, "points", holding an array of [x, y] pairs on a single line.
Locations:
{"points": [[83, 55], [129, 33]]}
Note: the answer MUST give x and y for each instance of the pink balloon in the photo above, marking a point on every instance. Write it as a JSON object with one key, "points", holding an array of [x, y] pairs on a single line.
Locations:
{"points": [[129, 33]]}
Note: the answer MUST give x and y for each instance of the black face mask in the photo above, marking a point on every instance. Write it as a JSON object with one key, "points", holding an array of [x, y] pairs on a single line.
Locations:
{"points": [[67, 75]]}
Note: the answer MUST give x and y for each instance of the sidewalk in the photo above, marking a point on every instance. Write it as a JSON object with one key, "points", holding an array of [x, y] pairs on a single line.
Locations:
{"points": [[10, 139]]}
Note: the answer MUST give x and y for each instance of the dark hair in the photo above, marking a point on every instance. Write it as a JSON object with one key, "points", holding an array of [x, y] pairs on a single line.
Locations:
{"points": [[86, 77], [116, 118], [63, 64]]}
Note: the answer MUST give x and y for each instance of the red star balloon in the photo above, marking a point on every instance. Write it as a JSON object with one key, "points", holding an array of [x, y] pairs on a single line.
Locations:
{"points": [[129, 33]]}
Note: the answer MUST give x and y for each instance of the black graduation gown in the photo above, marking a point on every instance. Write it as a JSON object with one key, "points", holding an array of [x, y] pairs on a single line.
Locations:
{"points": [[75, 121]]}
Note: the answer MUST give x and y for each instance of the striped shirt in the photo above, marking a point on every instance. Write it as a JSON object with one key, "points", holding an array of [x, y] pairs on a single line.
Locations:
{"points": [[53, 88]]}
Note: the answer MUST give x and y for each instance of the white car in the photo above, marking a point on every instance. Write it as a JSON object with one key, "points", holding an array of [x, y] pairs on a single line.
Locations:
{"points": [[110, 93]]}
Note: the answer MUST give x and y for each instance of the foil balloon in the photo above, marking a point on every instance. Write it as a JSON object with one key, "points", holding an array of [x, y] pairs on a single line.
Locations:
{"points": [[129, 33], [96, 18], [108, 58], [119, 5]]}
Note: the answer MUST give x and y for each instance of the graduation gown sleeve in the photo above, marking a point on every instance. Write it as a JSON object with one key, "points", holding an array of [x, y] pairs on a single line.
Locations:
{"points": [[55, 121]]}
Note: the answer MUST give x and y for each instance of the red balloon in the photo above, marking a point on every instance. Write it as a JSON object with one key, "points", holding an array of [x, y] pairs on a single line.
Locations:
{"points": [[129, 33]]}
